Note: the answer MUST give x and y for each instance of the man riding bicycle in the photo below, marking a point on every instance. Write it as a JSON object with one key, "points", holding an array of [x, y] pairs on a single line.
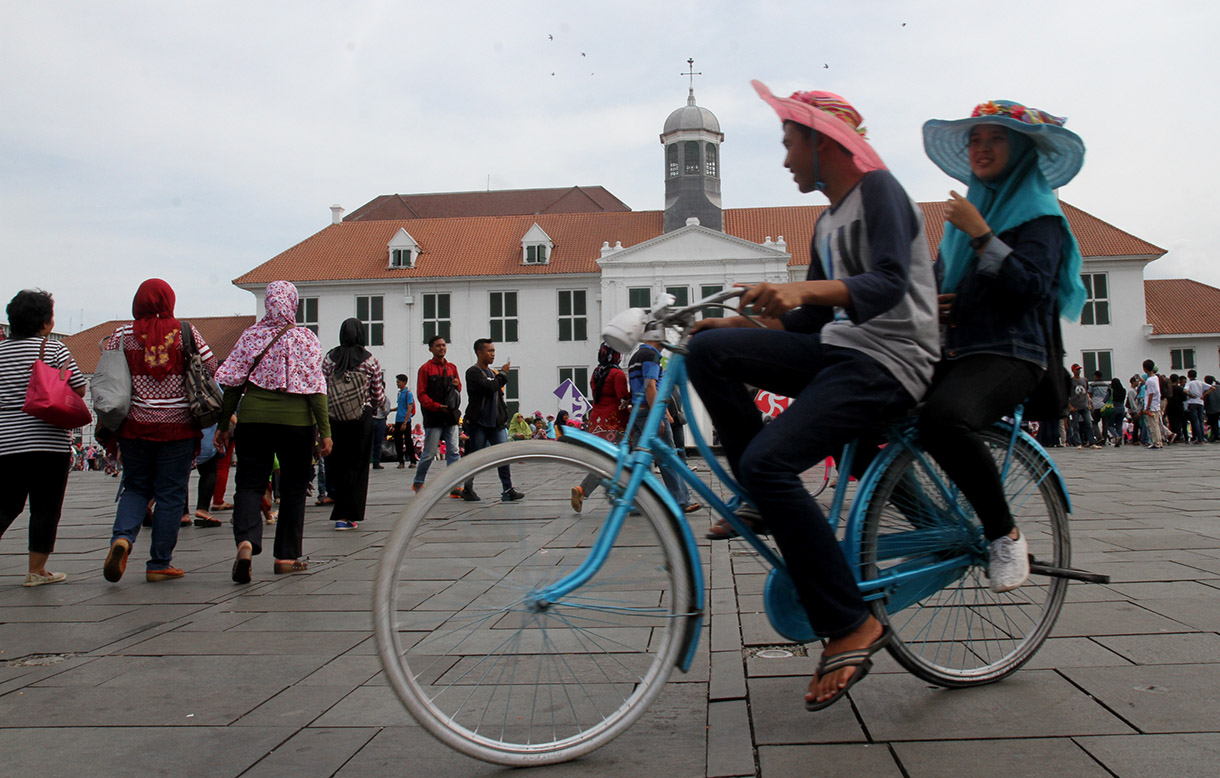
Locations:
{"points": [[853, 344]]}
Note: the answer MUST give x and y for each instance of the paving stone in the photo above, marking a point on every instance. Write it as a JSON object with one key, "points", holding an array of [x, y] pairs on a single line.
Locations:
{"points": [[728, 681], [1019, 758], [828, 761], [1201, 613], [243, 643], [1112, 618], [1156, 698], [1178, 649], [121, 752], [777, 709], [729, 749], [1156, 756], [756, 630], [167, 706], [296, 706], [1031, 703], [1074, 652], [313, 751], [726, 632]]}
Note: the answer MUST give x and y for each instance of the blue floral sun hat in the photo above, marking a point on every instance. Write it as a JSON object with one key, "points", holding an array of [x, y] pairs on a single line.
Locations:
{"points": [[1060, 151]]}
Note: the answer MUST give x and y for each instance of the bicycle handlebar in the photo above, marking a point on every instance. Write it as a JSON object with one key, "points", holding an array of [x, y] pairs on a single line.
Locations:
{"points": [[625, 330]]}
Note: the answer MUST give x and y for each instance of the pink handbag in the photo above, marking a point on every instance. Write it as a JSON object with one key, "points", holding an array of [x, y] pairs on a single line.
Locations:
{"points": [[51, 399]]}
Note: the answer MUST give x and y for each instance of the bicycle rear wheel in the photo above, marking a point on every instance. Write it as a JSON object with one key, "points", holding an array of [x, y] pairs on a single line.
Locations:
{"points": [[950, 628], [476, 657]]}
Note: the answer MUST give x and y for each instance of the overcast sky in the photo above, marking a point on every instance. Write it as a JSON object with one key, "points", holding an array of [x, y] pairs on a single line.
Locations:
{"points": [[193, 141]]}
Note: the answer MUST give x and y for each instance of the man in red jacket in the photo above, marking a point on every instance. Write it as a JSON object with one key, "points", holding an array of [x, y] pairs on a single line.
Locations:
{"points": [[440, 396]]}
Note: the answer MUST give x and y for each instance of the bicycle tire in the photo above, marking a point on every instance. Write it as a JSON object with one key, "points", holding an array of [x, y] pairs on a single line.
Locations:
{"points": [[483, 667], [949, 627]]}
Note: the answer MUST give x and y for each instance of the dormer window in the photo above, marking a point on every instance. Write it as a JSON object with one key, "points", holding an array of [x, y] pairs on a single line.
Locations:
{"points": [[535, 254], [536, 246], [403, 250]]}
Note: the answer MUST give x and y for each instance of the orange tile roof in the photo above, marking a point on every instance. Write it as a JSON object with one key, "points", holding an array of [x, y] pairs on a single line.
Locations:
{"points": [[1180, 306], [219, 332], [505, 202], [491, 245]]}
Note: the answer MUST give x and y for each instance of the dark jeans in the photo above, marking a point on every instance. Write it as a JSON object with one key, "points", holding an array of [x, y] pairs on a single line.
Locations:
{"points": [[347, 467], [41, 477], [1213, 419], [838, 394], [482, 437], [968, 395], [261, 444], [154, 469], [1195, 414], [673, 482], [377, 439]]}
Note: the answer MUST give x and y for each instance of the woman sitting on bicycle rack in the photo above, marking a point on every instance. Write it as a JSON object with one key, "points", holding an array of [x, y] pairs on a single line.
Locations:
{"points": [[854, 345], [1007, 262]]}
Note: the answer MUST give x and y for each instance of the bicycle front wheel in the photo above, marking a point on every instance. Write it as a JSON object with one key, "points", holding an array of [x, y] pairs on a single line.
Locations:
{"points": [[474, 653], [950, 628]]}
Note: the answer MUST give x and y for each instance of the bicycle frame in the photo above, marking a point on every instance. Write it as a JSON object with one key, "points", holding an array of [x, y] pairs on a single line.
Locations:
{"points": [[637, 459]]}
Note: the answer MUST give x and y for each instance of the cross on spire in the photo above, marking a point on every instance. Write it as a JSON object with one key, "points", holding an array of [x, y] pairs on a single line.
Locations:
{"points": [[691, 73]]}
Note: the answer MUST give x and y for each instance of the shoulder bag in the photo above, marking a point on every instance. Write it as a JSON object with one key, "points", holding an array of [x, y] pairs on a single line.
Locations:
{"points": [[110, 388], [204, 394], [50, 398]]}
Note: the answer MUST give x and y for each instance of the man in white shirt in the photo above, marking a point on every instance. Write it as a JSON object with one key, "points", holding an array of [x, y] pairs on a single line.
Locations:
{"points": [[1196, 390], [1152, 404]]}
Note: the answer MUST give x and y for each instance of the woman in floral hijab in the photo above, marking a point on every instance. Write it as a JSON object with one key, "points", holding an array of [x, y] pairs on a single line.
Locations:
{"points": [[275, 371]]}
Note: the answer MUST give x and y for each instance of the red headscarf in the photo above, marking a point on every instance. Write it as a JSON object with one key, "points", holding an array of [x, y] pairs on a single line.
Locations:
{"points": [[156, 329]]}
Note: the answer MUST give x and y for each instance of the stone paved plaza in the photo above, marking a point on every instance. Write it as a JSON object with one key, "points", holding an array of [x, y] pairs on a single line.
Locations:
{"points": [[200, 677]]}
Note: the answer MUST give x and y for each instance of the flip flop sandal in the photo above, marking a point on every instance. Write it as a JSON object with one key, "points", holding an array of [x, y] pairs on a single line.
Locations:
{"points": [[241, 571], [861, 659], [295, 566]]}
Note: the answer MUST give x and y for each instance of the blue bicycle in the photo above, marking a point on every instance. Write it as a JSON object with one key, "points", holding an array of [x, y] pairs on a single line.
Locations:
{"points": [[526, 633]]}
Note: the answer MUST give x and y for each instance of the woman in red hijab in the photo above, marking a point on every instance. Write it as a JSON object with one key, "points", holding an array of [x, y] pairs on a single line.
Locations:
{"points": [[159, 437]]}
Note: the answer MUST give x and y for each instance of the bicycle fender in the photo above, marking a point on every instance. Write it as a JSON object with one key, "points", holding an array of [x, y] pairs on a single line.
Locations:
{"points": [[1045, 456], [694, 566]]}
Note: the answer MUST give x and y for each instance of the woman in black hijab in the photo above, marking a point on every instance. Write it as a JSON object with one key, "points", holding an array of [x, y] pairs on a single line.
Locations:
{"points": [[347, 467]]}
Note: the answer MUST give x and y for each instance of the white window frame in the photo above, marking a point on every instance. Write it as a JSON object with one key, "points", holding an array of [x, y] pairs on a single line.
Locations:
{"points": [[578, 322], [303, 317], [436, 324], [374, 326], [1093, 304], [508, 323]]}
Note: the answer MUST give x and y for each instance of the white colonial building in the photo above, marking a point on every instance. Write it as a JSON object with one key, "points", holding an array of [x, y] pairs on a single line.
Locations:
{"points": [[540, 271]]}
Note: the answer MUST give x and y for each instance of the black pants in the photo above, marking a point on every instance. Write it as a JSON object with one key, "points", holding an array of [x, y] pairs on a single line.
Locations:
{"points": [[968, 395], [207, 483], [260, 445], [404, 447], [41, 477], [347, 467]]}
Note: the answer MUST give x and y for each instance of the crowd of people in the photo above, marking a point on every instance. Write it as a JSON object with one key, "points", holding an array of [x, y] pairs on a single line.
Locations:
{"points": [[1149, 409]]}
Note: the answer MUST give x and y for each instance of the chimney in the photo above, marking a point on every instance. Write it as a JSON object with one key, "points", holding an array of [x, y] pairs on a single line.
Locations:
{"points": [[336, 214]]}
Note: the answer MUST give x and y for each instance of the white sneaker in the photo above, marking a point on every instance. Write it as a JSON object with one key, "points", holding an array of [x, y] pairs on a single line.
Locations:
{"points": [[1008, 565]]}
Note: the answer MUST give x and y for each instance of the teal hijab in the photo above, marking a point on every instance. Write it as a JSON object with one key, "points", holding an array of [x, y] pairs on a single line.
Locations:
{"points": [[1018, 195]]}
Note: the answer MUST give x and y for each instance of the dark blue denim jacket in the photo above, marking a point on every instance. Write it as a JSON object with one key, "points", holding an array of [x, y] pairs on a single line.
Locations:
{"points": [[1006, 301]]}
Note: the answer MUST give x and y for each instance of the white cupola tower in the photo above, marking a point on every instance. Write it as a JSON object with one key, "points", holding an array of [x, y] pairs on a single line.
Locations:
{"points": [[692, 141]]}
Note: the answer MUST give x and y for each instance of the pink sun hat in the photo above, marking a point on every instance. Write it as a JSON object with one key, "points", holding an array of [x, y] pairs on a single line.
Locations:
{"points": [[829, 114]]}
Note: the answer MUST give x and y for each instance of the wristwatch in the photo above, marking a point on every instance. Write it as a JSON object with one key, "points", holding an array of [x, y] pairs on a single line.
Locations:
{"points": [[980, 241]]}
